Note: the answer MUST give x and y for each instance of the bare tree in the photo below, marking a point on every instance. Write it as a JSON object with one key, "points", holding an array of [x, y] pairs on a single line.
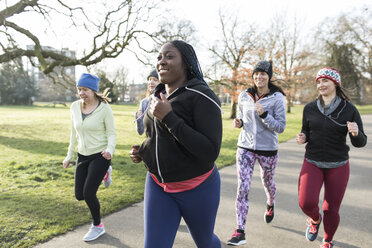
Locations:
{"points": [[122, 82], [231, 56], [282, 44], [167, 29], [347, 46], [111, 33]]}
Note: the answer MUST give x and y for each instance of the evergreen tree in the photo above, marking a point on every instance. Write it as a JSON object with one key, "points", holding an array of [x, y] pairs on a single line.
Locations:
{"points": [[342, 59], [104, 83], [17, 87]]}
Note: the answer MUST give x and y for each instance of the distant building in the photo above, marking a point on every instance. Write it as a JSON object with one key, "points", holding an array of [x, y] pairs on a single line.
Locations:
{"points": [[135, 92], [48, 91]]}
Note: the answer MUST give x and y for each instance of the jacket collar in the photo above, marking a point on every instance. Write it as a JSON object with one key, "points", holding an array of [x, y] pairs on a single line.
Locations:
{"points": [[190, 83]]}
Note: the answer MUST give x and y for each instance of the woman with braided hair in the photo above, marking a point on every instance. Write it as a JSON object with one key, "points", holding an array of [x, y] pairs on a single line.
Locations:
{"points": [[325, 125], [183, 127]]}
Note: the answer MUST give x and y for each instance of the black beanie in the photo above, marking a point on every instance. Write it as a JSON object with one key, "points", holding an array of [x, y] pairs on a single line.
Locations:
{"points": [[264, 66], [153, 73]]}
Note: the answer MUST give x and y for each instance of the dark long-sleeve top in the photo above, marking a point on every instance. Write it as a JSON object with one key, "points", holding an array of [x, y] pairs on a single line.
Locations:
{"points": [[326, 134], [186, 143]]}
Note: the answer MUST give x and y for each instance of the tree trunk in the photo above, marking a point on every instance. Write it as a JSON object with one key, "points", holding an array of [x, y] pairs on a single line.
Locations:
{"points": [[233, 110], [289, 103]]}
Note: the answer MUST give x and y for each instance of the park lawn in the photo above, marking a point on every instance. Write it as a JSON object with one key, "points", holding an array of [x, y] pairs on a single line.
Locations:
{"points": [[37, 195]]}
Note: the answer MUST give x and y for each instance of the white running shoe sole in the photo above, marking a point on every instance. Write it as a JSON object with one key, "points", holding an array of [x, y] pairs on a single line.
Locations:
{"points": [[242, 242]]}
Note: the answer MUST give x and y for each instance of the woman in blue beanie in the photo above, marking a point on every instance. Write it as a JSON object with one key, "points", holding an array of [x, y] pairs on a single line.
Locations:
{"points": [[92, 128], [152, 82]]}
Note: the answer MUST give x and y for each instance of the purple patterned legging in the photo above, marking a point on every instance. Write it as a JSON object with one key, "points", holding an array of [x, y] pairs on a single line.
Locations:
{"points": [[245, 161]]}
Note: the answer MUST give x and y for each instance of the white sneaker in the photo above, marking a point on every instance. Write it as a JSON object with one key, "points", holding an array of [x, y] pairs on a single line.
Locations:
{"points": [[94, 233], [107, 179]]}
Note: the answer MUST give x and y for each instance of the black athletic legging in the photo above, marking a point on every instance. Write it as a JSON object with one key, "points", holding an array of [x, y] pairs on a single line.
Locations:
{"points": [[90, 171]]}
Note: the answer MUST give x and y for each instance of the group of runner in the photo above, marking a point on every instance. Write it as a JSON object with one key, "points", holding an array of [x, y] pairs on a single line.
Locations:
{"points": [[181, 118]]}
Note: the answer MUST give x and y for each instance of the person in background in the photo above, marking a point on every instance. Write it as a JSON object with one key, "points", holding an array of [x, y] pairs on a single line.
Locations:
{"points": [[325, 125], [261, 115], [184, 132], [152, 82], [93, 129]]}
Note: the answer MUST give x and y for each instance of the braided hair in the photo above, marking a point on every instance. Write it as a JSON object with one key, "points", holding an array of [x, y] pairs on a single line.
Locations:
{"points": [[190, 59]]}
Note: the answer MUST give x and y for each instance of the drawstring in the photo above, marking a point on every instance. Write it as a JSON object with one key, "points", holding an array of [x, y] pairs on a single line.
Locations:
{"points": [[206, 97], [139, 117], [144, 112], [333, 119], [149, 107]]}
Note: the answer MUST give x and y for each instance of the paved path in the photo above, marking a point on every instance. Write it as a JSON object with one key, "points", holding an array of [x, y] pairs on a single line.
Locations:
{"points": [[124, 229]]}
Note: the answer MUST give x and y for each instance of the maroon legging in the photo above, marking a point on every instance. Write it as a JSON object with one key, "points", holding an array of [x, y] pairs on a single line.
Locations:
{"points": [[309, 186]]}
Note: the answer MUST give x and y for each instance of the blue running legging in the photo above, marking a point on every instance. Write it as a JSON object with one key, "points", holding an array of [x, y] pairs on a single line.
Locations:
{"points": [[198, 207]]}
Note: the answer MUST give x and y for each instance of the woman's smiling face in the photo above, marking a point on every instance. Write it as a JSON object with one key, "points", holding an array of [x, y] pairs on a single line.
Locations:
{"points": [[326, 87], [170, 66], [261, 79]]}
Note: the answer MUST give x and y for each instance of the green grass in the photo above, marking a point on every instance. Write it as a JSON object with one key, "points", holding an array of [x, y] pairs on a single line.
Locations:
{"points": [[37, 195], [364, 109]]}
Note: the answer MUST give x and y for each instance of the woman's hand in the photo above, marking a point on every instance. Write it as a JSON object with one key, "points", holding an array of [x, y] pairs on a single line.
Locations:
{"points": [[66, 163], [160, 107], [258, 107], [134, 154], [138, 114], [352, 128], [301, 138], [237, 123], [106, 155]]}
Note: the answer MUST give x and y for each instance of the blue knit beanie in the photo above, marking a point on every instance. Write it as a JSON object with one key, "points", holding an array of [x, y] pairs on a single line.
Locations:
{"points": [[88, 81]]}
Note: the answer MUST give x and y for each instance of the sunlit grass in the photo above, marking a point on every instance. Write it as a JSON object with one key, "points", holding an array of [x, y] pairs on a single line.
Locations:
{"points": [[36, 193]]}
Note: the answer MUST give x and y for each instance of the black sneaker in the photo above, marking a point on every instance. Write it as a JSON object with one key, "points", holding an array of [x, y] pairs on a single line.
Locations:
{"points": [[269, 214], [312, 229], [238, 238]]}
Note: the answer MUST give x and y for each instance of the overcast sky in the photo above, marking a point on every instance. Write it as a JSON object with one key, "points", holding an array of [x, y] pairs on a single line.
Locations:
{"points": [[204, 16]]}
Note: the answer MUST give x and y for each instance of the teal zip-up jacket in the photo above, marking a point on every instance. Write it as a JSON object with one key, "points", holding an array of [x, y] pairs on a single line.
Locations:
{"points": [[94, 134]]}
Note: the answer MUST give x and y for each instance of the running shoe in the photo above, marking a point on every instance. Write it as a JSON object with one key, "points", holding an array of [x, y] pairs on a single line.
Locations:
{"points": [[327, 244], [107, 179], [94, 232], [269, 214], [312, 229], [238, 238]]}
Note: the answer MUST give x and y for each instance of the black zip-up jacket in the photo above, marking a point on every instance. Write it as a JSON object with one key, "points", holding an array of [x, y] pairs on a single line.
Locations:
{"points": [[186, 143], [326, 135]]}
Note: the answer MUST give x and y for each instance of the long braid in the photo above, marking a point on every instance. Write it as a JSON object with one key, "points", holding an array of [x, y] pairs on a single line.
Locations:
{"points": [[190, 59]]}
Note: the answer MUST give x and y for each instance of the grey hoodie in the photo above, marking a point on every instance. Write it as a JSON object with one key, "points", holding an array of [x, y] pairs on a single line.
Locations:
{"points": [[261, 133]]}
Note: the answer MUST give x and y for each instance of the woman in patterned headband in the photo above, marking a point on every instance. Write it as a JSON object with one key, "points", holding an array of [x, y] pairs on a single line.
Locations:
{"points": [[325, 125]]}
